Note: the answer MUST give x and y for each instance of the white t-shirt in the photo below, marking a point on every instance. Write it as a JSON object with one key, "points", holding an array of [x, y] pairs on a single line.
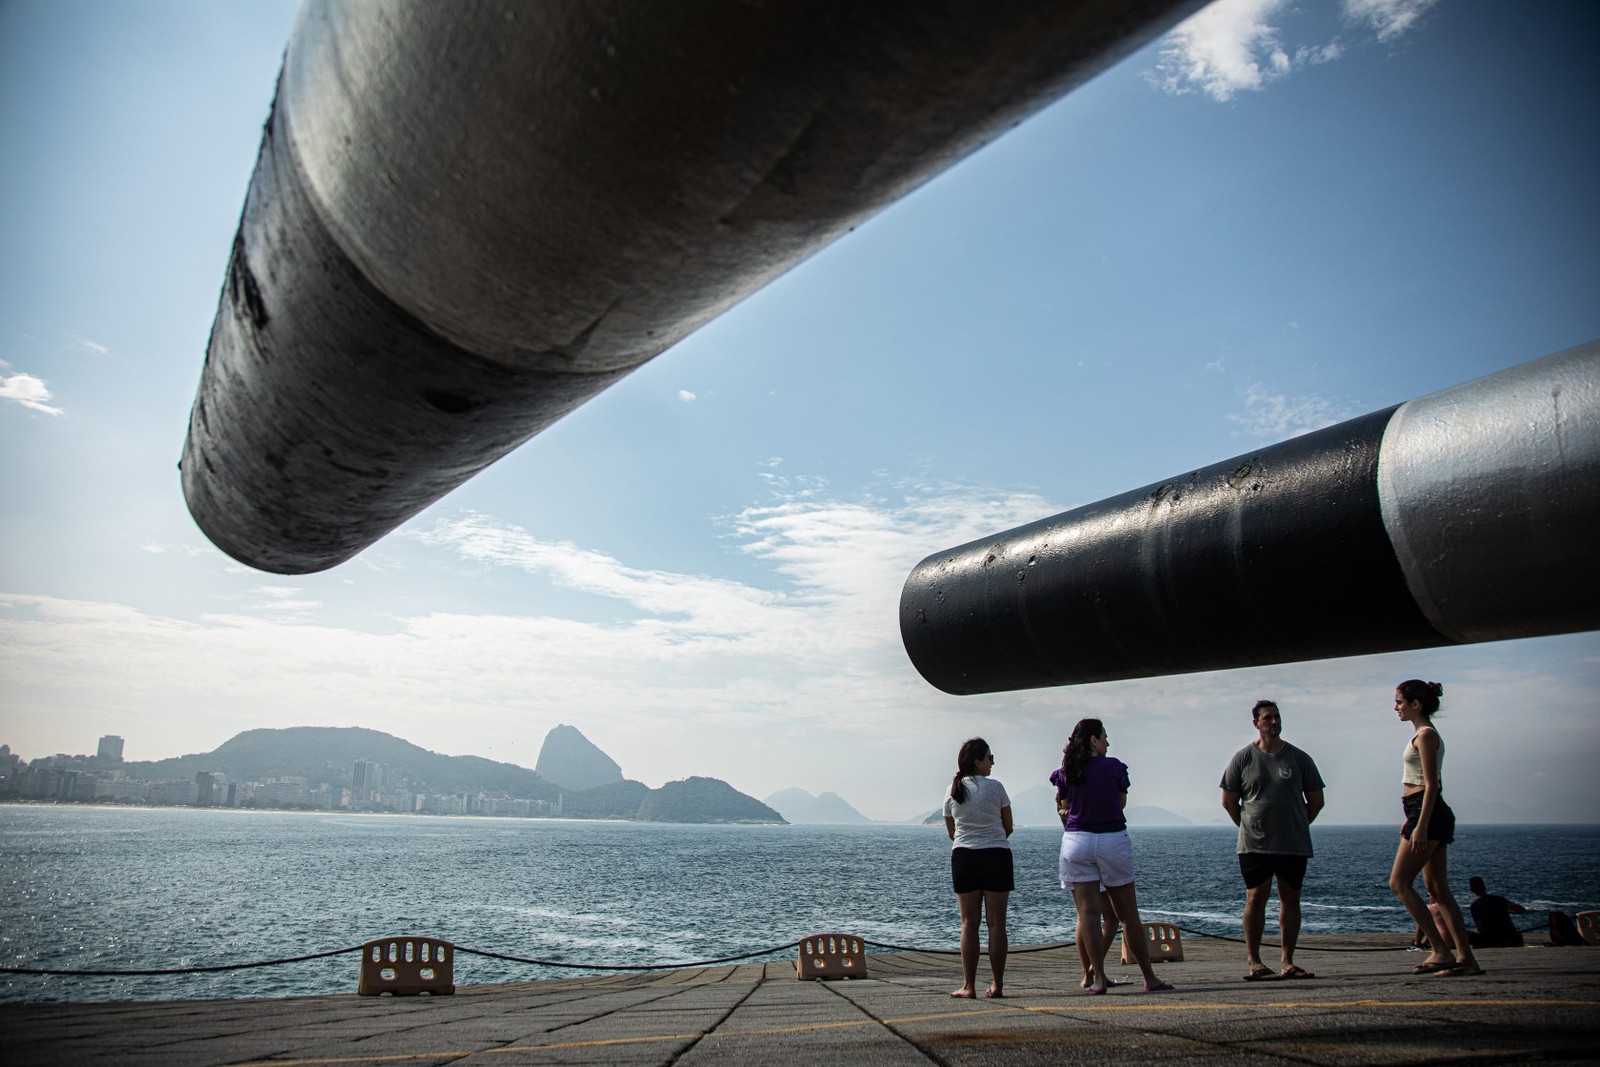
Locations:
{"points": [[977, 818]]}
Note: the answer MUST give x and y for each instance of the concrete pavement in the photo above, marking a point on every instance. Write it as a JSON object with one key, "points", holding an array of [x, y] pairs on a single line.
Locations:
{"points": [[1364, 1007]]}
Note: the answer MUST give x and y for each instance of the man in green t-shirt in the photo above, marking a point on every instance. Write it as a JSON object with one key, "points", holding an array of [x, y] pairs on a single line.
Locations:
{"points": [[1272, 791]]}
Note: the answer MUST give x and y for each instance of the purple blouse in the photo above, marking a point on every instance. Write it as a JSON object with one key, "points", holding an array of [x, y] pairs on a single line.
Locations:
{"points": [[1095, 807]]}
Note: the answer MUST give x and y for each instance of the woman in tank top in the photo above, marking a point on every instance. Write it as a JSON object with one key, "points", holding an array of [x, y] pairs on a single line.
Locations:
{"points": [[1426, 833]]}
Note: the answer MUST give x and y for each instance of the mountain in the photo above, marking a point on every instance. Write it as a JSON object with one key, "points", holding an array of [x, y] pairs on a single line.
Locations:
{"points": [[617, 800], [571, 760], [327, 754], [1035, 806], [703, 800], [829, 809], [1150, 815]]}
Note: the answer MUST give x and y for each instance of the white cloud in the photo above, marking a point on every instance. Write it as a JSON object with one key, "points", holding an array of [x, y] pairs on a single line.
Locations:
{"points": [[1276, 416], [1387, 18], [88, 345], [1223, 49], [28, 391], [1234, 46], [686, 396]]}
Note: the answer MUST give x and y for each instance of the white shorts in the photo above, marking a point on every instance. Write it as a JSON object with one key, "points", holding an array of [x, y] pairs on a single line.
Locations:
{"points": [[1103, 858]]}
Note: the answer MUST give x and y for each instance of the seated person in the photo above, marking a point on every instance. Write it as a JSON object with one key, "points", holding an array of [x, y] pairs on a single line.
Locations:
{"points": [[1492, 916]]}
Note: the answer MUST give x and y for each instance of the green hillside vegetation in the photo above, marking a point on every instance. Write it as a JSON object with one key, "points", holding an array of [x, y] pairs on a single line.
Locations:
{"points": [[704, 800], [615, 800]]}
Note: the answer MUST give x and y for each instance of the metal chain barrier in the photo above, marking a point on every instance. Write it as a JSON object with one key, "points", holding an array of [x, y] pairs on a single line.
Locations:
{"points": [[889, 946]]}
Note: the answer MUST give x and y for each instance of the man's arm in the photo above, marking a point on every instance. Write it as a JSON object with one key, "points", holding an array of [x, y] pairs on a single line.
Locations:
{"points": [[1230, 804], [1313, 804]]}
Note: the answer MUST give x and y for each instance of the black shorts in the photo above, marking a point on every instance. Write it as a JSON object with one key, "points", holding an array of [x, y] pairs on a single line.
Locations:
{"points": [[1258, 867], [988, 869], [1441, 824]]}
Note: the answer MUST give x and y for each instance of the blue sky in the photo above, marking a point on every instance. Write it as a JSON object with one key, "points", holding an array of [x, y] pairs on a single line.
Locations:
{"points": [[1275, 218]]}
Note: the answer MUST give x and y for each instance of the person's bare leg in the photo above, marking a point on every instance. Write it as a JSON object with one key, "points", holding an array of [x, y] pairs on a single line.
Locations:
{"points": [[1255, 922], [1402, 879], [1108, 934], [1288, 922], [994, 906], [1125, 899], [1086, 897], [1436, 876], [971, 915], [1108, 925]]}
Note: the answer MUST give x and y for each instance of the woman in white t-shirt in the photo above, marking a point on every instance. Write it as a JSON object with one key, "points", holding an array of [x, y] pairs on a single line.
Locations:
{"points": [[977, 815]]}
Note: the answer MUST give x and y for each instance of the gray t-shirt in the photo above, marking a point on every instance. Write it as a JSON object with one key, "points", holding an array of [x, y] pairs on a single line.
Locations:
{"points": [[1272, 799]]}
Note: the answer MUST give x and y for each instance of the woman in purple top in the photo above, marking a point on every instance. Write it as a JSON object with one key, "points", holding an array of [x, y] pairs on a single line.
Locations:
{"points": [[1091, 792]]}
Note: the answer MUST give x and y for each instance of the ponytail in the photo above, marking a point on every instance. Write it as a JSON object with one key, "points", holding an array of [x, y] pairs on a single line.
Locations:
{"points": [[972, 750]]}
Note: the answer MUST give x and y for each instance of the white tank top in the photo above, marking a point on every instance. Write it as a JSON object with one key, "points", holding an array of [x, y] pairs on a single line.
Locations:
{"points": [[1411, 761]]}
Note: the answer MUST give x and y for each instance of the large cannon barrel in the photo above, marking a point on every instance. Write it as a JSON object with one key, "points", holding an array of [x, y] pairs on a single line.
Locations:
{"points": [[1466, 515], [467, 218]]}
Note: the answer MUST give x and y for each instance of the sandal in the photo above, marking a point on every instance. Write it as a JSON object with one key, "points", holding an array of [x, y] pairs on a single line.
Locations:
{"points": [[1461, 971], [1435, 968]]}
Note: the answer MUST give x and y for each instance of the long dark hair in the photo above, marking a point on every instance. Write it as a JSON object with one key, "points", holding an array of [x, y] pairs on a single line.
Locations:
{"points": [[1426, 692], [1075, 757], [972, 750]]}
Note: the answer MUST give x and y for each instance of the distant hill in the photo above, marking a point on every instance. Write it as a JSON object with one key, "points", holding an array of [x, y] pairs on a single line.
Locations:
{"points": [[619, 800], [704, 800], [830, 809], [1035, 806], [569, 759], [327, 754], [1150, 815]]}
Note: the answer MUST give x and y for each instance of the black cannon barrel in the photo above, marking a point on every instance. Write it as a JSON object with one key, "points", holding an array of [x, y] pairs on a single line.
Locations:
{"points": [[467, 218], [1466, 515]]}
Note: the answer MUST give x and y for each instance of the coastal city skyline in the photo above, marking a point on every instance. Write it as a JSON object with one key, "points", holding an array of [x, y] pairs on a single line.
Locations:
{"points": [[1272, 219]]}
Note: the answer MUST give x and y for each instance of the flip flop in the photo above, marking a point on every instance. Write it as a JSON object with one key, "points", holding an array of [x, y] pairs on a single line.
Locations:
{"points": [[1160, 987], [1296, 972], [1262, 974], [1435, 968], [1093, 992], [1460, 971]]}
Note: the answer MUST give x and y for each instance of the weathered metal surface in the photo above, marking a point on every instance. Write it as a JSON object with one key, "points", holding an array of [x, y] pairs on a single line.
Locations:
{"points": [[468, 218], [1467, 515]]}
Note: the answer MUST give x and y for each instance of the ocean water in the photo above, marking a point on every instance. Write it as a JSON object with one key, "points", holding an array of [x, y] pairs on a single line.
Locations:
{"points": [[103, 888]]}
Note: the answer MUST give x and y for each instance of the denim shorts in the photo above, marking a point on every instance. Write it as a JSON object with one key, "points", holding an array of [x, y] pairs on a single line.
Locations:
{"points": [[1441, 824]]}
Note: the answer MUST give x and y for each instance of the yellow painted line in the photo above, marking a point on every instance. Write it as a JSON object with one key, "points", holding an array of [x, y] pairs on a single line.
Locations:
{"points": [[1097, 1007]]}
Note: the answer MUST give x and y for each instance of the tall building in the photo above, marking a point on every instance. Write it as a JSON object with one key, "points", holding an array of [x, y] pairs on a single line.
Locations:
{"points": [[110, 748], [366, 780], [208, 788]]}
